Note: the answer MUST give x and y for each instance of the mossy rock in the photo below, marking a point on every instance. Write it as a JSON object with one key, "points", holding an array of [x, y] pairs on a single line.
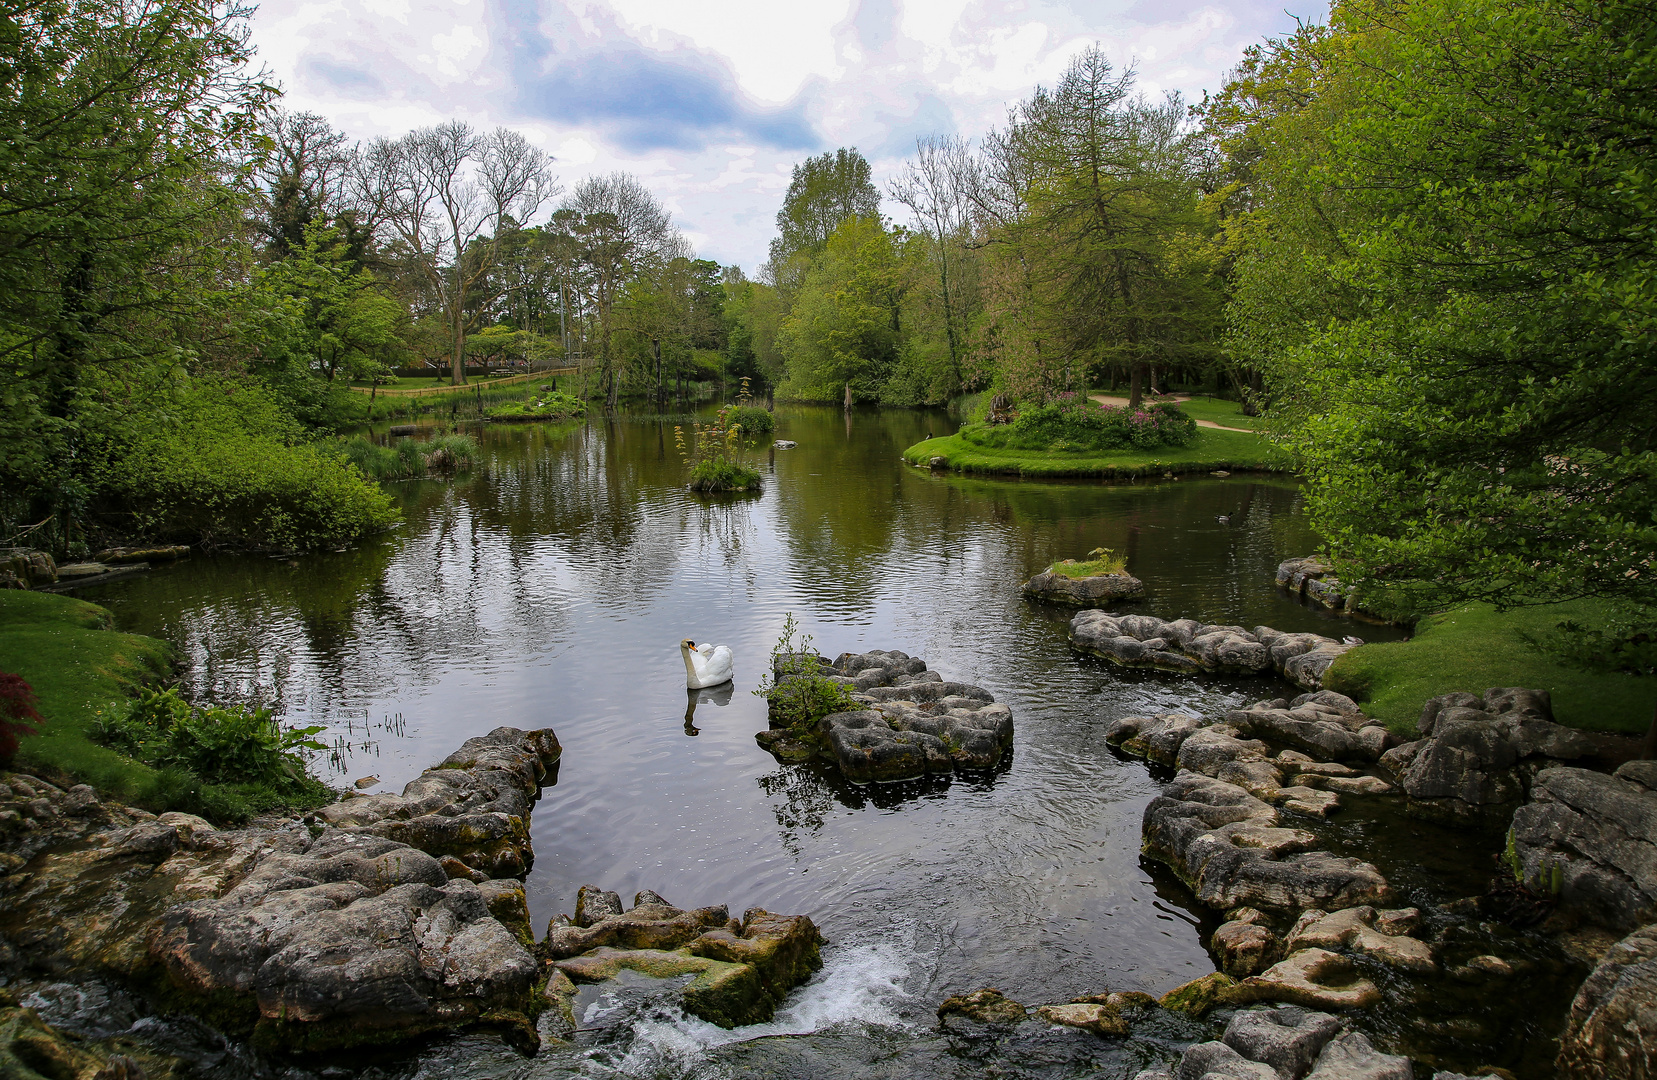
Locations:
{"points": [[1199, 995], [721, 993]]}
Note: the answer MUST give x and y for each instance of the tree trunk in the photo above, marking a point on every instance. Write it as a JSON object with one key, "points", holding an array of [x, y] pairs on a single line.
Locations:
{"points": [[1136, 386], [848, 396], [656, 347], [457, 358]]}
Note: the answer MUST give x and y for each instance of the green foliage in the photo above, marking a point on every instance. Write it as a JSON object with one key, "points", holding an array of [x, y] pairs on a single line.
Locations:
{"points": [[755, 422], [824, 193], [1074, 424], [237, 745], [842, 332], [796, 691], [718, 474], [407, 459], [714, 451], [217, 460], [1104, 561], [542, 405], [1473, 647], [1448, 272]]}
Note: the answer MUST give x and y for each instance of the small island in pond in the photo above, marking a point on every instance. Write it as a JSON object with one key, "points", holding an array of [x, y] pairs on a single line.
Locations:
{"points": [[1099, 581]]}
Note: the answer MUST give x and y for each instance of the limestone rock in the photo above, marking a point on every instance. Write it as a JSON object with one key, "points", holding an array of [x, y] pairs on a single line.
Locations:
{"points": [[1228, 847], [1592, 838], [1325, 733], [1351, 1057], [911, 722], [1612, 1026], [1314, 978], [784, 949], [1189, 646], [1101, 590], [1355, 929], [725, 994], [1245, 948], [1287, 1038], [474, 806], [987, 1006], [1101, 1019], [1217, 1061]]}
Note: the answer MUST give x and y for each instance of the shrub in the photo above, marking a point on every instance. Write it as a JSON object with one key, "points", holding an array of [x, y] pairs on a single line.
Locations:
{"points": [[795, 689], [219, 462], [1072, 423], [233, 745], [755, 422], [547, 405], [17, 714], [718, 474], [409, 458]]}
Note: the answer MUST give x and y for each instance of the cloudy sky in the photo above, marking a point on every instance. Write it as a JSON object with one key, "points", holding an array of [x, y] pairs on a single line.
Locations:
{"points": [[711, 104]]}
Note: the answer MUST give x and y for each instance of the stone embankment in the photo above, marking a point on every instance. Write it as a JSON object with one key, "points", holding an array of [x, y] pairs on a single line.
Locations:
{"points": [[26, 568], [913, 723], [1189, 646], [371, 921], [1312, 579], [1304, 926], [742, 968]]}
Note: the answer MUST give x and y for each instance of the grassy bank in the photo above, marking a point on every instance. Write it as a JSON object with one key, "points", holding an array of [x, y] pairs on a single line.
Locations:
{"points": [[1212, 450], [78, 665], [1220, 411], [1474, 648]]}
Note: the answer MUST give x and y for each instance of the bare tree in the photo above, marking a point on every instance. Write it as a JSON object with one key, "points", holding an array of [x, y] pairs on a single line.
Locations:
{"points": [[937, 188], [449, 196], [623, 232]]}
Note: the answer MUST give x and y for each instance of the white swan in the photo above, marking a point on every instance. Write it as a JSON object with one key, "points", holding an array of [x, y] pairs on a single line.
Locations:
{"points": [[705, 665]]}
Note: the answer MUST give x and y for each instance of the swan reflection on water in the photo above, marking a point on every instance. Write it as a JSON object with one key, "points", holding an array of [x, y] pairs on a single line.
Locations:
{"points": [[717, 695]]}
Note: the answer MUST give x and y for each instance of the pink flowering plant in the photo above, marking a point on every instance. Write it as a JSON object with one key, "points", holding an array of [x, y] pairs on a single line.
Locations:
{"points": [[1071, 422]]}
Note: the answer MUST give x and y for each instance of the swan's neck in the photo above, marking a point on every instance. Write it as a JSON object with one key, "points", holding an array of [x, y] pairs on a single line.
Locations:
{"points": [[690, 666]]}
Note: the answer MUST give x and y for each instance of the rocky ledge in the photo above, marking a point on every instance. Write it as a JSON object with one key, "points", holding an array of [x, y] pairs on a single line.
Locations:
{"points": [[1479, 755], [1099, 590], [311, 934], [735, 971], [914, 721], [1190, 646]]}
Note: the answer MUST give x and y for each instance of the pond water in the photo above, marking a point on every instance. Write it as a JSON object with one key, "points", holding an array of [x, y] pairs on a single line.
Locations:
{"points": [[552, 588]]}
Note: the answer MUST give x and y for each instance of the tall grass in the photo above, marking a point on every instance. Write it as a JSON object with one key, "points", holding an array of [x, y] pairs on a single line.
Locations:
{"points": [[406, 458]]}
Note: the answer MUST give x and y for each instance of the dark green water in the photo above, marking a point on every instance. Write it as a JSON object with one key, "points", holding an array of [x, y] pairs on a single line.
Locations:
{"points": [[552, 589]]}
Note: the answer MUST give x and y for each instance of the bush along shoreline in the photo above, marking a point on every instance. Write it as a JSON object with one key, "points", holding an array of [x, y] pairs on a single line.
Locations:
{"points": [[107, 720]]}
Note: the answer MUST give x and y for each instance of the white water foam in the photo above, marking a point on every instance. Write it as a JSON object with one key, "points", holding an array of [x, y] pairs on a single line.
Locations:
{"points": [[859, 985]]}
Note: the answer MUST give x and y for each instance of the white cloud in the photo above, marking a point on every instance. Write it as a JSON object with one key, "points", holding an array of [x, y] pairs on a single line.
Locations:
{"points": [[631, 78]]}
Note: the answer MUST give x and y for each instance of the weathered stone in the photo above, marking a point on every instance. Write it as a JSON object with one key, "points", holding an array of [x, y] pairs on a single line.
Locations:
{"points": [[1159, 738], [725, 994], [1354, 928], [1100, 590], [1325, 734], [1101, 1019], [1592, 839], [1207, 750], [1199, 995], [1305, 800], [1259, 778], [1287, 1038], [1185, 645], [1351, 1057], [1225, 844], [1314, 978], [473, 806], [1245, 948], [987, 1006], [1217, 1061], [1611, 1029], [647, 926], [784, 949]]}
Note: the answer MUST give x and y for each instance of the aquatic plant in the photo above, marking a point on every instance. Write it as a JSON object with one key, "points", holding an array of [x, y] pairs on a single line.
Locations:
{"points": [[796, 691], [409, 458]]}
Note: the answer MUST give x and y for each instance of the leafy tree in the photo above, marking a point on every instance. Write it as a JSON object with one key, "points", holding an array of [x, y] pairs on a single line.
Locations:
{"points": [[350, 326], [825, 192], [845, 325]]}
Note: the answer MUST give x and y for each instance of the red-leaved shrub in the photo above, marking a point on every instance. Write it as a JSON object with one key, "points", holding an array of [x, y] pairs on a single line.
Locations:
{"points": [[17, 708]]}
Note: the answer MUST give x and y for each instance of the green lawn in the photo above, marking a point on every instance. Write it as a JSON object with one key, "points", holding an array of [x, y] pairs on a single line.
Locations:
{"points": [[1220, 411], [1212, 450], [1474, 648], [66, 650]]}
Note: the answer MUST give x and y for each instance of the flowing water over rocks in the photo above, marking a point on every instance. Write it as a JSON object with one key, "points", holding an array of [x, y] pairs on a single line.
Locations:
{"points": [[552, 588]]}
